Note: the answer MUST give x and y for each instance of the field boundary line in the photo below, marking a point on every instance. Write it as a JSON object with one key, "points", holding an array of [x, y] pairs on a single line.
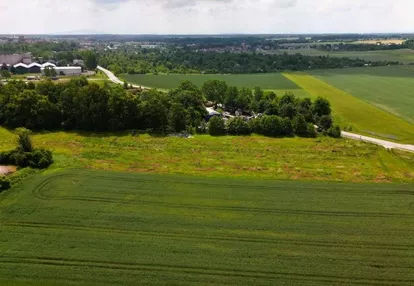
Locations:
{"points": [[245, 239], [242, 273]]}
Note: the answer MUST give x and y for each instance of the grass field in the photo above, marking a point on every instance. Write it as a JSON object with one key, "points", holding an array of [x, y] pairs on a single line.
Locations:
{"points": [[252, 157], [389, 88], [351, 111], [265, 81], [403, 56], [108, 228]]}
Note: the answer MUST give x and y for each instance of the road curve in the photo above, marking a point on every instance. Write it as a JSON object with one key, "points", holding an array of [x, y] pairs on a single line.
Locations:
{"points": [[116, 80], [386, 144]]}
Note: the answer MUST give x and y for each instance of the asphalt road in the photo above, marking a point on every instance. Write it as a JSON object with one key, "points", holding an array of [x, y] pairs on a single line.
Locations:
{"points": [[384, 143], [116, 80]]}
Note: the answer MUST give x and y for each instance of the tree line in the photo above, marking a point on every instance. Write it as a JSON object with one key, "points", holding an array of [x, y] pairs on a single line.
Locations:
{"points": [[80, 105], [188, 61]]}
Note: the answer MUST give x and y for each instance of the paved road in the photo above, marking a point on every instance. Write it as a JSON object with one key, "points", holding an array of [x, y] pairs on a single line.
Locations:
{"points": [[116, 80], [386, 144]]}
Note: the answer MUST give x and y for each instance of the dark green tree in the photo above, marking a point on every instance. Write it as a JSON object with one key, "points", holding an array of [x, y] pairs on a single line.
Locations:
{"points": [[215, 91], [237, 126], [177, 118], [321, 106], [216, 126]]}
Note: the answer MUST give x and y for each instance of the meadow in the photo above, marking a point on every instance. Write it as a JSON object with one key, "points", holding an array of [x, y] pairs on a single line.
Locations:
{"points": [[265, 81], [355, 114], [403, 56], [388, 88], [83, 227], [253, 157]]}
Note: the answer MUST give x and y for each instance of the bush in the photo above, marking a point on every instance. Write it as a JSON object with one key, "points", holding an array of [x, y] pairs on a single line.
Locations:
{"points": [[334, 132], [5, 183], [287, 127], [325, 122], [216, 126], [237, 126], [300, 126], [38, 159], [271, 126]]}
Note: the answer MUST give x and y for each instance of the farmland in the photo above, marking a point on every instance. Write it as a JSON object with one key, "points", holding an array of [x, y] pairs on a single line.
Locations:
{"points": [[253, 157], [361, 116], [109, 228], [388, 88], [403, 56], [265, 81]]}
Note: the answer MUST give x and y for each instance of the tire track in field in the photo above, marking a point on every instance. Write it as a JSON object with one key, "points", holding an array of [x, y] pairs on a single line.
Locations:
{"points": [[210, 271], [38, 193], [172, 235]]}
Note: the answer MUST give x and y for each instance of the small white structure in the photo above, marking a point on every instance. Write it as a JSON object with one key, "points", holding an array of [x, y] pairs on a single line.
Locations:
{"points": [[69, 71], [48, 65], [78, 62]]}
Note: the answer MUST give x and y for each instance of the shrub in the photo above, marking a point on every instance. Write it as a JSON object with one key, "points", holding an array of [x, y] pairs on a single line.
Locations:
{"points": [[23, 141], [287, 127], [300, 126], [40, 158], [311, 131], [271, 125], [5, 183], [325, 122], [216, 126], [237, 126], [334, 131]]}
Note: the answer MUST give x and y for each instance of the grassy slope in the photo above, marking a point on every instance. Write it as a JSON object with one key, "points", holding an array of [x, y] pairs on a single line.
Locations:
{"points": [[106, 228], [249, 157], [349, 110], [265, 81], [389, 88]]}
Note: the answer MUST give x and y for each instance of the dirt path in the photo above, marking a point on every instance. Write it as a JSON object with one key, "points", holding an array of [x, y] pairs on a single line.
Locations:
{"points": [[6, 170]]}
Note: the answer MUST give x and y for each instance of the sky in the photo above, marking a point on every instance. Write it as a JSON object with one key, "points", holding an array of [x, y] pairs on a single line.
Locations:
{"points": [[205, 16]]}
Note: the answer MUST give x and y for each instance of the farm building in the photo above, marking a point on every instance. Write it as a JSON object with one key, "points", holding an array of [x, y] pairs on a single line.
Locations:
{"points": [[22, 68], [69, 71], [34, 68]]}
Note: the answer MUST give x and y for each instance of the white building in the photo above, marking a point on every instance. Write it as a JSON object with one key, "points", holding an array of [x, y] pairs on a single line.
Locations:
{"points": [[69, 71]]}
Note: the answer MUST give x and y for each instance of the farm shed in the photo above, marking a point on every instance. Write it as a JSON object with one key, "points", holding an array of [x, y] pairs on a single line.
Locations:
{"points": [[69, 71], [34, 68]]}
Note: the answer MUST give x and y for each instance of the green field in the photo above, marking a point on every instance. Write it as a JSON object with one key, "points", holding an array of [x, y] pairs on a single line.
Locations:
{"points": [[265, 81], [403, 56], [361, 116], [107, 228], [322, 159], [388, 88]]}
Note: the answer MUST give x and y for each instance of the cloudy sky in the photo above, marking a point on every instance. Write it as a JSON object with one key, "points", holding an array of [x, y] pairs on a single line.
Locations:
{"points": [[205, 16]]}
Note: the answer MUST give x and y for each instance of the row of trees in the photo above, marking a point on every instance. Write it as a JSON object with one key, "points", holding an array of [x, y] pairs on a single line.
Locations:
{"points": [[268, 103], [188, 61], [80, 105]]}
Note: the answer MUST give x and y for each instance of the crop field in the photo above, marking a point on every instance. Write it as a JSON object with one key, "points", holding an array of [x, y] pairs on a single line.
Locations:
{"points": [[403, 56], [265, 81], [388, 88], [362, 116], [253, 157], [106, 228]]}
